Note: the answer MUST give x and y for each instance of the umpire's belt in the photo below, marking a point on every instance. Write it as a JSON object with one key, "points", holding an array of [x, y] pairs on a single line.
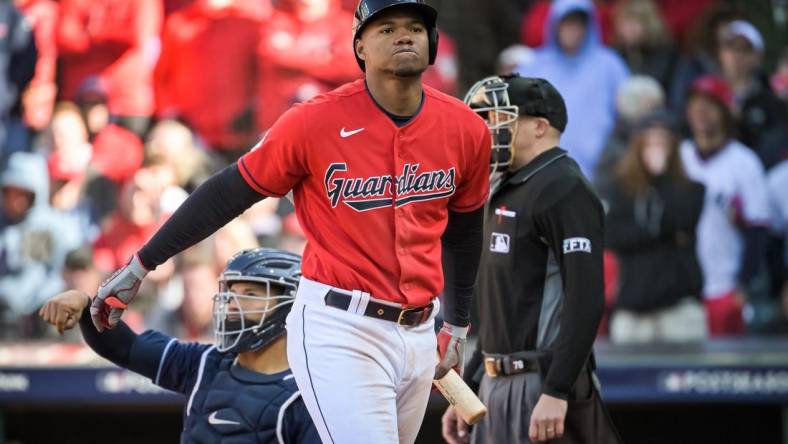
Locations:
{"points": [[496, 365], [409, 317]]}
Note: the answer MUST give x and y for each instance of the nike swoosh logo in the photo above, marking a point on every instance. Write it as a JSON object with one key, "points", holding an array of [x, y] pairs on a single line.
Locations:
{"points": [[216, 421], [343, 133]]}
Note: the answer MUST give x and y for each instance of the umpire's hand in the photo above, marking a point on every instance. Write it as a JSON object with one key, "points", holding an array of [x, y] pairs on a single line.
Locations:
{"points": [[115, 294], [547, 419], [454, 428]]}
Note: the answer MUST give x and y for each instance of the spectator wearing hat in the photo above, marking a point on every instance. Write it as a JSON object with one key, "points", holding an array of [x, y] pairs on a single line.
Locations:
{"points": [[755, 105], [732, 232], [653, 212], [587, 73], [700, 52], [92, 102]]}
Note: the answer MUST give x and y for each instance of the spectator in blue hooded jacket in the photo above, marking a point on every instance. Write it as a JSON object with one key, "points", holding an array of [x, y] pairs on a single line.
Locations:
{"points": [[587, 73], [34, 240]]}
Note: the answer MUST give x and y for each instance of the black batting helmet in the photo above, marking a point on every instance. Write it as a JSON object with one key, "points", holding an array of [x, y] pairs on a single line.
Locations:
{"points": [[368, 9], [246, 322]]}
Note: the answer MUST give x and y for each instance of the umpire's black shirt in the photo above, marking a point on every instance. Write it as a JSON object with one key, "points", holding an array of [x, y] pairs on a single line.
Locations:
{"points": [[541, 284]]}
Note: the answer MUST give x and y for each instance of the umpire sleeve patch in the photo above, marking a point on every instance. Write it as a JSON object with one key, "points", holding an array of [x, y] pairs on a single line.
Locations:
{"points": [[577, 244]]}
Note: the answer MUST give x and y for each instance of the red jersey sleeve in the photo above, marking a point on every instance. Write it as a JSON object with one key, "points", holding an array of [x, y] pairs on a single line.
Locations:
{"points": [[474, 187], [278, 162]]}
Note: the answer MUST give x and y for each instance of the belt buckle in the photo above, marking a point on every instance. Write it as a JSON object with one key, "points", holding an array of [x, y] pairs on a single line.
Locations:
{"points": [[424, 315], [492, 366]]}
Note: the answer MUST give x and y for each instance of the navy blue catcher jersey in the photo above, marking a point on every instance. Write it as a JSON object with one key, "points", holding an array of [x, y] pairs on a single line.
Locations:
{"points": [[226, 403]]}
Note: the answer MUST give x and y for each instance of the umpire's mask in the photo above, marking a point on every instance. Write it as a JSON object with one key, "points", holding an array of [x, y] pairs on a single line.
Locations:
{"points": [[490, 99]]}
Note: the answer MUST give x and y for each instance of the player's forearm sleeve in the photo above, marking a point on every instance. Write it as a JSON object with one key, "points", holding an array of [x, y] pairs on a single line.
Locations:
{"points": [[113, 345], [462, 243], [574, 227], [214, 203]]}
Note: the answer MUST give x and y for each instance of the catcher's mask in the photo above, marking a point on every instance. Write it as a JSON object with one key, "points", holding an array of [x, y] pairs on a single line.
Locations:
{"points": [[252, 319], [489, 97]]}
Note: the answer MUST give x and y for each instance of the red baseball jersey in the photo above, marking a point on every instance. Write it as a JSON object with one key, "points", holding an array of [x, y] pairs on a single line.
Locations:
{"points": [[373, 198]]}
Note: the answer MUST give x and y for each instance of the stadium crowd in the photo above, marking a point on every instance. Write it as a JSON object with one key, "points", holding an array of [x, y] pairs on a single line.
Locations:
{"points": [[114, 110]]}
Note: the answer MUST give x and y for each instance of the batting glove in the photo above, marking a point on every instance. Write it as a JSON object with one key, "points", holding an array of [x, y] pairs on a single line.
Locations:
{"points": [[451, 349], [115, 294]]}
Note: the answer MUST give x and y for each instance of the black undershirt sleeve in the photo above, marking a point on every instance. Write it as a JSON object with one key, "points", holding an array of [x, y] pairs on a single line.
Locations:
{"points": [[211, 206], [462, 244], [114, 344], [574, 226]]}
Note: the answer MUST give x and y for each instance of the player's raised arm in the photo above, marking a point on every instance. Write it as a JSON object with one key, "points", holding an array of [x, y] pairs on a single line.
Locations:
{"points": [[272, 168], [212, 205]]}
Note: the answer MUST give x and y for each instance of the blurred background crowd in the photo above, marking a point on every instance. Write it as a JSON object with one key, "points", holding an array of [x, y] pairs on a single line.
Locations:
{"points": [[113, 111]]}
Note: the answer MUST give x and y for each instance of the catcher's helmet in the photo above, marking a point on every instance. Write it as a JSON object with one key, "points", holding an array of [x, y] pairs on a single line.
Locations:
{"points": [[368, 9], [235, 316]]}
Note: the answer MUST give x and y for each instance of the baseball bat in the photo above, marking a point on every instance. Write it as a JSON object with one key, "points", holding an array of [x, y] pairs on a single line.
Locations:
{"points": [[459, 395]]}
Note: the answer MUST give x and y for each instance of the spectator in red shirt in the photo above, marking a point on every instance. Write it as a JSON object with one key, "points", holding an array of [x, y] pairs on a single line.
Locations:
{"points": [[304, 51], [117, 153], [210, 46], [117, 40], [39, 97], [680, 14]]}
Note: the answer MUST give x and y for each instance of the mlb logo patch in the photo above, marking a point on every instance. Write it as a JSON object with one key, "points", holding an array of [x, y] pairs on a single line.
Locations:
{"points": [[577, 244], [499, 243]]}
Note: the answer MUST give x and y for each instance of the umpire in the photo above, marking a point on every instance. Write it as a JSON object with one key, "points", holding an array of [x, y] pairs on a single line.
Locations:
{"points": [[540, 283]]}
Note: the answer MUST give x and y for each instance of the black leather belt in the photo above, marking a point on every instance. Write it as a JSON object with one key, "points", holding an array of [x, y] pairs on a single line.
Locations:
{"points": [[409, 317], [508, 365]]}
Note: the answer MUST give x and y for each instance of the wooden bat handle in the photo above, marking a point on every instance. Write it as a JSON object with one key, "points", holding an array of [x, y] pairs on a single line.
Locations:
{"points": [[459, 395]]}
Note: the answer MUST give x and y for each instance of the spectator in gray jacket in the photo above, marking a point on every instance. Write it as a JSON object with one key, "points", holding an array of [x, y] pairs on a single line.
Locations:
{"points": [[34, 239]]}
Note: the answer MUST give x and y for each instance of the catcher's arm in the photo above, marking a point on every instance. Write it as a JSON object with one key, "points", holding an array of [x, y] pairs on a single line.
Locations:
{"points": [[66, 309]]}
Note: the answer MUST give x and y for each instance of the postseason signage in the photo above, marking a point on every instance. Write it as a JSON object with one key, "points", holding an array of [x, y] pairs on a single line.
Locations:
{"points": [[695, 384], [80, 386], [620, 384]]}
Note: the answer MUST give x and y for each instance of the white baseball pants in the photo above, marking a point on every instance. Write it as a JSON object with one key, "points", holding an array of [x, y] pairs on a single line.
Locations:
{"points": [[363, 380]]}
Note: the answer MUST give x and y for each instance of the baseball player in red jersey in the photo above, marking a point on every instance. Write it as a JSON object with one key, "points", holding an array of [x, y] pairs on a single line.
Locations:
{"points": [[389, 180]]}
